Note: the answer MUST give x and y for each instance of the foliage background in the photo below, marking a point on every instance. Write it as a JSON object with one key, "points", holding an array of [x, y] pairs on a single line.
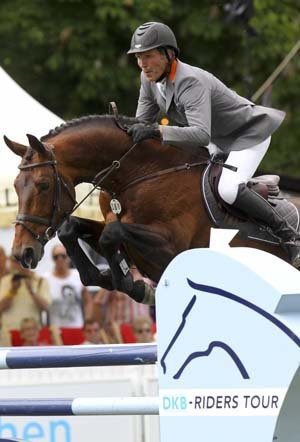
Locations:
{"points": [[71, 55]]}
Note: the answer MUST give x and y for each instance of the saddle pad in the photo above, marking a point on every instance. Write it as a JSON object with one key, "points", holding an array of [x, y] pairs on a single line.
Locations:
{"points": [[247, 229]]}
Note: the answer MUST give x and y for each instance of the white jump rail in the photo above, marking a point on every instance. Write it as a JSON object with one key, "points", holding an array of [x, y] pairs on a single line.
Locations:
{"points": [[80, 406]]}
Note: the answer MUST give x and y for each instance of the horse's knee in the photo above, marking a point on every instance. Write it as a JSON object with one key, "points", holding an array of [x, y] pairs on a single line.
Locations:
{"points": [[67, 230], [112, 235]]}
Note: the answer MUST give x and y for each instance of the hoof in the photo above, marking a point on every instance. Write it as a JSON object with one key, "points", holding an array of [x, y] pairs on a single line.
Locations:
{"points": [[143, 293], [126, 284]]}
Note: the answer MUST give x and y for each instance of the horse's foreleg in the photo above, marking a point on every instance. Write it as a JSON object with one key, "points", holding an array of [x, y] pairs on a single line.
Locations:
{"points": [[110, 242], [89, 231]]}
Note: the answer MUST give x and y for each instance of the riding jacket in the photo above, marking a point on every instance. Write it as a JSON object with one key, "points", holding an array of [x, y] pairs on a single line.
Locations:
{"points": [[205, 110]]}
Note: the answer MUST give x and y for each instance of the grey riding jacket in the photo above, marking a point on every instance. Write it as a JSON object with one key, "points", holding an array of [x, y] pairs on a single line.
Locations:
{"points": [[205, 110]]}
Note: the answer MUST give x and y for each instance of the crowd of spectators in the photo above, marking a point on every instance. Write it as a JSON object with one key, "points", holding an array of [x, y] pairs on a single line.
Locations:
{"points": [[54, 308]]}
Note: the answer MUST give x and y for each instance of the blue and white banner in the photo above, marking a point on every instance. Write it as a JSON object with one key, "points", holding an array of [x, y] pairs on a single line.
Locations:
{"points": [[229, 347], [222, 402]]}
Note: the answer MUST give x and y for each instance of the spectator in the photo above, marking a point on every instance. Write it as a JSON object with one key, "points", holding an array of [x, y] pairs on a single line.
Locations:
{"points": [[30, 333], [91, 331], [142, 329], [71, 301], [22, 294]]}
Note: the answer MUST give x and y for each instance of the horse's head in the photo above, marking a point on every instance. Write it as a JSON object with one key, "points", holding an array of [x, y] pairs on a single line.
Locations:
{"points": [[40, 187]]}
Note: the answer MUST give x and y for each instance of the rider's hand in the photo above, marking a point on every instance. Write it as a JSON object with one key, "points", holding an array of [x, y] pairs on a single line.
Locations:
{"points": [[141, 131]]}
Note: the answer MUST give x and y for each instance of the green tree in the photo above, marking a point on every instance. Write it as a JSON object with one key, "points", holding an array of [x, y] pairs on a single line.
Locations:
{"points": [[71, 54]]}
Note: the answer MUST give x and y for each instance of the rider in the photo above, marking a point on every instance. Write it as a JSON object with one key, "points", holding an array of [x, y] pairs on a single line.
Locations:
{"points": [[205, 111]]}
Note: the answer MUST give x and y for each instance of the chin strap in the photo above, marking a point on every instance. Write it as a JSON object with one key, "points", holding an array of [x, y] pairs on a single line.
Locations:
{"points": [[170, 61], [161, 78], [167, 55]]}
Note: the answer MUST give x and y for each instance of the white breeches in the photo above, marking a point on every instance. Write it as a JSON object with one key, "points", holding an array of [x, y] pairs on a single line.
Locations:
{"points": [[246, 161]]}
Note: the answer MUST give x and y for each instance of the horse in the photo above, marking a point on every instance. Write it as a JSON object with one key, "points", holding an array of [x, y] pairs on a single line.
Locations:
{"points": [[150, 199]]}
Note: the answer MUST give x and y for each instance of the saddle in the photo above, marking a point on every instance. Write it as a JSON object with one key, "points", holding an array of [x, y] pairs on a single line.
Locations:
{"points": [[223, 215]]}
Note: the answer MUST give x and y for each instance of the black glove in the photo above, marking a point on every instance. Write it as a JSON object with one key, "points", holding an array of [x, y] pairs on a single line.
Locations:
{"points": [[141, 131]]}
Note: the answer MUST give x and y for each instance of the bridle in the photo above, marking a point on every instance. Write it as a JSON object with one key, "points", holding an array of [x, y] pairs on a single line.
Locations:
{"points": [[59, 185]]}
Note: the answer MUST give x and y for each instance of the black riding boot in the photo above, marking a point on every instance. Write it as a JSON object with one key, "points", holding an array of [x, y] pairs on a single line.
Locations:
{"points": [[256, 207]]}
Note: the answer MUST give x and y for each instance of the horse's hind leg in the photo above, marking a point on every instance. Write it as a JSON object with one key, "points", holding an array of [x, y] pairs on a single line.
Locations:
{"points": [[89, 231]]}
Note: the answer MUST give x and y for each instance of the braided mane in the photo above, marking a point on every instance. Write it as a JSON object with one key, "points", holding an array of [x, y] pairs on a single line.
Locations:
{"points": [[89, 119]]}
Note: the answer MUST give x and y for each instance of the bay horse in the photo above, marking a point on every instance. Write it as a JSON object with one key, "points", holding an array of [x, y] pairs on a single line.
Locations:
{"points": [[150, 199]]}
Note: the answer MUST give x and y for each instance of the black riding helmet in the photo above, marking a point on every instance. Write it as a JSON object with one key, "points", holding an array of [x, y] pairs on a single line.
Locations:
{"points": [[153, 35]]}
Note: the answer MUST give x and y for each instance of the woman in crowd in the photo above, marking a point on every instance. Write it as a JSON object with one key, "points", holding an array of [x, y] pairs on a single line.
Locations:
{"points": [[22, 294], [30, 333], [71, 301], [142, 329]]}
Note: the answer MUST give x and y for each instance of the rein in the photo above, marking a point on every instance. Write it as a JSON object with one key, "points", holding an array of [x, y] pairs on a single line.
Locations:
{"points": [[114, 110], [115, 204], [98, 179]]}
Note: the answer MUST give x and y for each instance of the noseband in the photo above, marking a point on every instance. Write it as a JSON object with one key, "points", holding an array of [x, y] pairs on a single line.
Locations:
{"points": [[59, 183]]}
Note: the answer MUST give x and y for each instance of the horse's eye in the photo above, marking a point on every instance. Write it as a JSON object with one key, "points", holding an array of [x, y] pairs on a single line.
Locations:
{"points": [[43, 186]]}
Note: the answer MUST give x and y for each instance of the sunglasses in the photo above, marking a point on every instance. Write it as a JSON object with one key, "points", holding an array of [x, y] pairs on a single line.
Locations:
{"points": [[143, 330], [59, 255]]}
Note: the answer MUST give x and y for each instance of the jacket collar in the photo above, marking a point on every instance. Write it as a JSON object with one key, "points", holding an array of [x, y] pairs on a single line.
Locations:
{"points": [[172, 73], [170, 84]]}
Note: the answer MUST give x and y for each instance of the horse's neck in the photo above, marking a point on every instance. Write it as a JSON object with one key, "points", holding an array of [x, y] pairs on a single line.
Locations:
{"points": [[82, 157]]}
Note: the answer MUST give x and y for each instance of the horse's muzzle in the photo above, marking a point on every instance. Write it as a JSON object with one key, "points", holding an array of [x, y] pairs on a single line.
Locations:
{"points": [[29, 257]]}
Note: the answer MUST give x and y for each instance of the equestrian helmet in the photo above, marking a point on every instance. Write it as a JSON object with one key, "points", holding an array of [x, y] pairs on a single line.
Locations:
{"points": [[152, 35]]}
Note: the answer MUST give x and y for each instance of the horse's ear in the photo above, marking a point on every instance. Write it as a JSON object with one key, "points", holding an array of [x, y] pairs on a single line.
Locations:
{"points": [[36, 144], [17, 148]]}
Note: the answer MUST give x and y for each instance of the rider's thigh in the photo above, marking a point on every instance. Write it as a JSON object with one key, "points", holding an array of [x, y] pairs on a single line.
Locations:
{"points": [[246, 161]]}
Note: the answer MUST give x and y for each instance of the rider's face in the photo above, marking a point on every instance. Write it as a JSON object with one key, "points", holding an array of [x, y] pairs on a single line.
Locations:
{"points": [[153, 63]]}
